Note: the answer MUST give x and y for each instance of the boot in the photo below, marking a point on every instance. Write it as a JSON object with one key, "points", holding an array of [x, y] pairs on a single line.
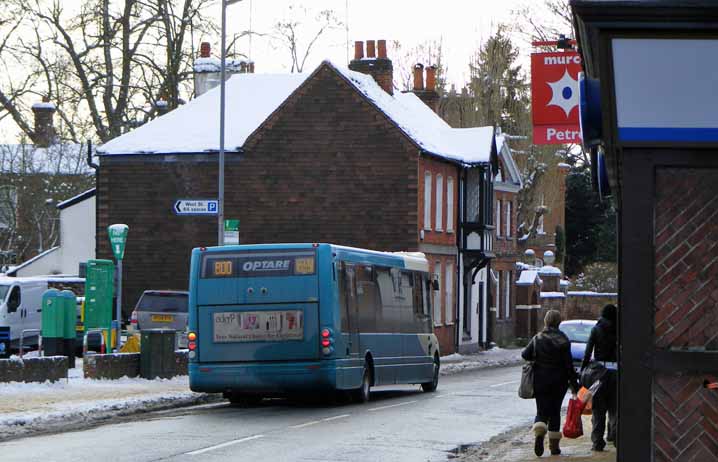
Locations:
{"points": [[539, 430], [553, 439]]}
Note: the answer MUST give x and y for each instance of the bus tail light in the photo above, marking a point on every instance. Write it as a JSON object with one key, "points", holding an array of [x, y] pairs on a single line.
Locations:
{"points": [[192, 346], [191, 336], [133, 318], [327, 341]]}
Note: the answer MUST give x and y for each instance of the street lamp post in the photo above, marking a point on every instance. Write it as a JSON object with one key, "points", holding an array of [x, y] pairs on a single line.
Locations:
{"points": [[220, 198]]}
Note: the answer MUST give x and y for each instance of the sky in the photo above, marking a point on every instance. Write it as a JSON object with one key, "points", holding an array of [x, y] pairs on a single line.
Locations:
{"points": [[462, 25]]}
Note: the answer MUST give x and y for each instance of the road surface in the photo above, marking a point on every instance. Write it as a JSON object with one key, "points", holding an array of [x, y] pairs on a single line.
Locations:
{"points": [[400, 423]]}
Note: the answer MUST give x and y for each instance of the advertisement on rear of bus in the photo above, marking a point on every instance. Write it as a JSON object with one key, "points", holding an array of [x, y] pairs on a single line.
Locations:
{"points": [[258, 326]]}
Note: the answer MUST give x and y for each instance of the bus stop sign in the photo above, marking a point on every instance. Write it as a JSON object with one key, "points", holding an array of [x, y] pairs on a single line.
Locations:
{"points": [[118, 238]]}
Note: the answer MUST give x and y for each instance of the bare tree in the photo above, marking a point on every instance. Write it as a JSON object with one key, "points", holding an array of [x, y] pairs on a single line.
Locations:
{"points": [[299, 32], [428, 53], [104, 65]]}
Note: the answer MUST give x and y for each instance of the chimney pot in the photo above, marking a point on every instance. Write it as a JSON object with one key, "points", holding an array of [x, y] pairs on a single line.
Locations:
{"points": [[370, 49], [418, 77], [381, 45], [358, 50], [431, 78], [44, 129], [205, 50]]}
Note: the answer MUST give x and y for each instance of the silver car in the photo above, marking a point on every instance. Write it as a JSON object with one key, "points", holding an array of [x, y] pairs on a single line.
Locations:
{"points": [[161, 309]]}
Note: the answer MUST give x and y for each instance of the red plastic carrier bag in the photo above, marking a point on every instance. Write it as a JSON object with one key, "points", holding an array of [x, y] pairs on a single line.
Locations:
{"points": [[573, 427]]}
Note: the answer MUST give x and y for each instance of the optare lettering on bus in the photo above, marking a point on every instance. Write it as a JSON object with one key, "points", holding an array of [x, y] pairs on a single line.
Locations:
{"points": [[265, 265]]}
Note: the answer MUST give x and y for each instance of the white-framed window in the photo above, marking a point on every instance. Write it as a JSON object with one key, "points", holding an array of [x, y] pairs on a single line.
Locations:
{"points": [[449, 294], [450, 204], [497, 291], [507, 294], [539, 229], [427, 201], [508, 218], [498, 217], [438, 225], [437, 293]]}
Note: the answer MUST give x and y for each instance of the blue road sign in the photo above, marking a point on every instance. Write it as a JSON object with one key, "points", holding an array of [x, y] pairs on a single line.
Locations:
{"points": [[196, 207]]}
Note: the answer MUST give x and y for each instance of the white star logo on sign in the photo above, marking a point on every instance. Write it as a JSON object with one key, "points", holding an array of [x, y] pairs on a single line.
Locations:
{"points": [[564, 93]]}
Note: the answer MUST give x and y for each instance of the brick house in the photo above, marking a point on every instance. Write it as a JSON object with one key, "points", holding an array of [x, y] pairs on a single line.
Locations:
{"points": [[332, 156], [507, 185]]}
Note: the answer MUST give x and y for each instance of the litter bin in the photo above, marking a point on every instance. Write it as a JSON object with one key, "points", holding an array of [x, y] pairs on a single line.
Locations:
{"points": [[69, 306], [157, 354], [53, 320]]}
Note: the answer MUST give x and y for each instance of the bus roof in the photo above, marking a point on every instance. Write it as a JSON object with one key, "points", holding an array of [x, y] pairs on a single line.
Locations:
{"points": [[415, 261]]}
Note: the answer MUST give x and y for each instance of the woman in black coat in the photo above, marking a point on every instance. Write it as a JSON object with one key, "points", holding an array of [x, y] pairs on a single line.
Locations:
{"points": [[550, 350]]}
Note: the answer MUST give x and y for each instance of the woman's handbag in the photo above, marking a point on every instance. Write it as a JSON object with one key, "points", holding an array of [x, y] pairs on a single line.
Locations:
{"points": [[573, 426], [526, 388]]}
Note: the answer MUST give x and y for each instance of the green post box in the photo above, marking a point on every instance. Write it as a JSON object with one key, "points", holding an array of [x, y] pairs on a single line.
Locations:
{"points": [[157, 353], [70, 319], [53, 319]]}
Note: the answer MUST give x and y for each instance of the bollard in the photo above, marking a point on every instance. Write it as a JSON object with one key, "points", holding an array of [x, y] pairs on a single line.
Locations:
{"points": [[69, 306]]}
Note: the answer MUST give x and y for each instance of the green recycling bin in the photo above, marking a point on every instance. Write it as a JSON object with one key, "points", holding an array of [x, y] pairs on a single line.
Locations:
{"points": [[70, 320], [157, 354], [53, 320]]}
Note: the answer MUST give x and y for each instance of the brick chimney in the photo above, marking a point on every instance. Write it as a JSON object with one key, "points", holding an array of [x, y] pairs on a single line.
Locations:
{"points": [[44, 129], [378, 65], [207, 70], [426, 90]]}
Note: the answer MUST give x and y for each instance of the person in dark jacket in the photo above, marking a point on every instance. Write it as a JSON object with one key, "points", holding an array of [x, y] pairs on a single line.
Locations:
{"points": [[602, 345], [550, 350]]}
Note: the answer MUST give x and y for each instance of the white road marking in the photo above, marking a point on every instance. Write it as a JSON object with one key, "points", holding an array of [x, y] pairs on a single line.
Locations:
{"points": [[392, 405], [306, 424], [192, 408], [505, 383], [329, 419], [223, 445]]}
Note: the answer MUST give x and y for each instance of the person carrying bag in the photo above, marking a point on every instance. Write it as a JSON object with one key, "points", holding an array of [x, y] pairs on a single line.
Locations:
{"points": [[553, 374], [602, 345]]}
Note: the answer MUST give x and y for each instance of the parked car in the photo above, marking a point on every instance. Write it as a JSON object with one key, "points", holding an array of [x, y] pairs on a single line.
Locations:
{"points": [[578, 331], [161, 309]]}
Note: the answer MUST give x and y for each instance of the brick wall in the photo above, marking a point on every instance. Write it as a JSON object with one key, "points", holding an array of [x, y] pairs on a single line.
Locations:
{"points": [[586, 306], [326, 167]]}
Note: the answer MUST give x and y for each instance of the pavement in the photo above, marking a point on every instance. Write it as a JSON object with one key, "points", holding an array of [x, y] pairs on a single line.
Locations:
{"points": [[516, 445], [33, 408]]}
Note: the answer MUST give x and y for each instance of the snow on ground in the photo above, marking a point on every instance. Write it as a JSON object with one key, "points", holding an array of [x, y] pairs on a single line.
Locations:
{"points": [[27, 408], [495, 357]]}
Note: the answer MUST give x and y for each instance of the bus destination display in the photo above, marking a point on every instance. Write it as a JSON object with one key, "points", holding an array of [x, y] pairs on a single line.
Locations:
{"points": [[258, 265]]}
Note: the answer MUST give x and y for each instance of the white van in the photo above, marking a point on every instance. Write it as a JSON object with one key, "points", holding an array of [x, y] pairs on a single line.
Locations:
{"points": [[21, 306]]}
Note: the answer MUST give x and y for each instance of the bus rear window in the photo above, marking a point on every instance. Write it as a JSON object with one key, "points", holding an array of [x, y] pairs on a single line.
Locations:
{"points": [[258, 264]]}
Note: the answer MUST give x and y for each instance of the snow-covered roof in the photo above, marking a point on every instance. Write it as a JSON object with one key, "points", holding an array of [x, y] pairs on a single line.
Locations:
{"points": [[194, 127], [76, 199], [15, 270], [528, 277], [252, 98], [590, 293], [504, 150], [61, 158]]}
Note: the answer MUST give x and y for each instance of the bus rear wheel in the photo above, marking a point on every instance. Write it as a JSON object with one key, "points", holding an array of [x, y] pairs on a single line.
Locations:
{"points": [[362, 394], [431, 386]]}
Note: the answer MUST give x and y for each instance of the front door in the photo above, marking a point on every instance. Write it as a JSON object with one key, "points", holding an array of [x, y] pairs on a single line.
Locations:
{"points": [[350, 305]]}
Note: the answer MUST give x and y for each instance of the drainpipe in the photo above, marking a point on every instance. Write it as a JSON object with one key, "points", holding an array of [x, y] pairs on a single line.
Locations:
{"points": [[89, 159]]}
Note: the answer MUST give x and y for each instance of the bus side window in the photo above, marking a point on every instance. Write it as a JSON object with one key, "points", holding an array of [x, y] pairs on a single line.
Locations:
{"points": [[368, 299]]}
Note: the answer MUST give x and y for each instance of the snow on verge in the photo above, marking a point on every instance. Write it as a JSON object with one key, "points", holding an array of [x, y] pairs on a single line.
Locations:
{"points": [[495, 357]]}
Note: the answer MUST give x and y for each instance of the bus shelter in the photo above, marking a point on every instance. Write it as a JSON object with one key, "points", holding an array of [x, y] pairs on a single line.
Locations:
{"points": [[650, 114]]}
